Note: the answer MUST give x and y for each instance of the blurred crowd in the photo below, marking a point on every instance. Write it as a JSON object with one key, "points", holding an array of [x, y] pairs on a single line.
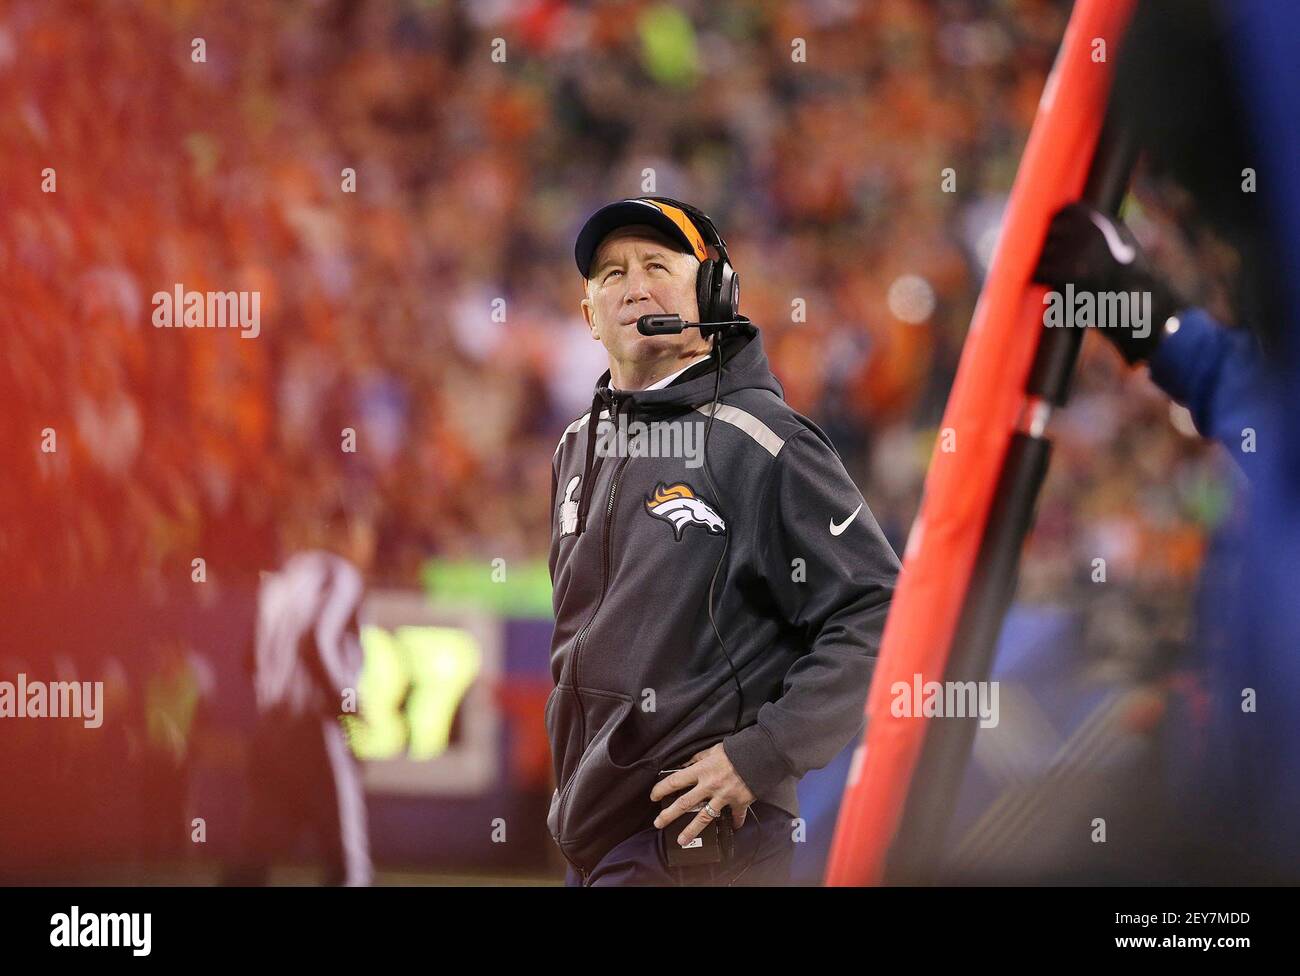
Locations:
{"points": [[434, 311]]}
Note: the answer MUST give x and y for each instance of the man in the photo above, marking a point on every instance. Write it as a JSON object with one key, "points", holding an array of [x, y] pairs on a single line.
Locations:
{"points": [[719, 606], [306, 656], [1237, 811]]}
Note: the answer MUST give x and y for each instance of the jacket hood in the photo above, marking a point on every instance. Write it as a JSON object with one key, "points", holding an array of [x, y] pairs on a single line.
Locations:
{"points": [[744, 366]]}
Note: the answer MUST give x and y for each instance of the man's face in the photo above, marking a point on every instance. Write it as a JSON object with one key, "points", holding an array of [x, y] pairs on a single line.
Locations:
{"points": [[637, 271]]}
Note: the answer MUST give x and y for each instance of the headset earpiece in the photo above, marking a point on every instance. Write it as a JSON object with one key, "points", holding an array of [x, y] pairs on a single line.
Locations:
{"points": [[704, 289], [717, 289], [728, 301]]}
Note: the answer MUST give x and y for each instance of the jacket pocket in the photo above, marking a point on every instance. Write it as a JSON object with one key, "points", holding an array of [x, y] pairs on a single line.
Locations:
{"points": [[564, 730], [599, 801]]}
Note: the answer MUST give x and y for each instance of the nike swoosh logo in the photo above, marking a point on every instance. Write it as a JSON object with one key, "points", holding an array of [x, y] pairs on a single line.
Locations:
{"points": [[837, 529], [1121, 252]]}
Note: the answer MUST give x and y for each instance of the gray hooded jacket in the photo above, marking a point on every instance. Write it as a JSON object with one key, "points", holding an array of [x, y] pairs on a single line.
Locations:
{"points": [[641, 680]]}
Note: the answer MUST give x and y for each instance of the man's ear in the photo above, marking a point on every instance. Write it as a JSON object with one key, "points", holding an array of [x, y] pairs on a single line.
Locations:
{"points": [[589, 313]]}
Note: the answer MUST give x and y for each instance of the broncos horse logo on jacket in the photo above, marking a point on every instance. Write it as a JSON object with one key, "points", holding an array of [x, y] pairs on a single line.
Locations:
{"points": [[679, 506]]}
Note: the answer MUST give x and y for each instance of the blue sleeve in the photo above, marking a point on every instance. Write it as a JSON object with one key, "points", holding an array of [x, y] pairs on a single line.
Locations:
{"points": [[1215, 372]]}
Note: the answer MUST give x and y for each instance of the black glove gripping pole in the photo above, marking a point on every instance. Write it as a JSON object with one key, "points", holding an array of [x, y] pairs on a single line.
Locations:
{"points": [[915, 856]]}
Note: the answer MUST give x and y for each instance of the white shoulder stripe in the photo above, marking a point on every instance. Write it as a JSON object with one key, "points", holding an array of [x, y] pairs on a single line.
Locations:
{"points": [[576, 426], [751, 425]]}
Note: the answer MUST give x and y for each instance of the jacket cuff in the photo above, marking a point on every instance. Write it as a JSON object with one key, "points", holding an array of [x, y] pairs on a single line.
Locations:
{"points": [[757, 760]]}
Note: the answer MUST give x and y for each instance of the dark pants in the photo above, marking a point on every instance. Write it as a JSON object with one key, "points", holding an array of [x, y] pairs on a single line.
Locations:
{"points": [[764, 850], [303, 779]]}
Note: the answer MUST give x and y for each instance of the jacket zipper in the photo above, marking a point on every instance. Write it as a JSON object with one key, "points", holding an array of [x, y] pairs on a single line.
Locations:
{"points": [[577, 645], [582, 872], [604, 584]]}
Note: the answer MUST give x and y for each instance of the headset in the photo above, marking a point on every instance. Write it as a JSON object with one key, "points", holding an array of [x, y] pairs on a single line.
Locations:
{"points": [[717, 288], [717, 285], [717, 292]]}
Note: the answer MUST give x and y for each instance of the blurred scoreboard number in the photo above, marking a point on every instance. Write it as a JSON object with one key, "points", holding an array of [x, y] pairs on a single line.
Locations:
{"points": [[426, 722]]}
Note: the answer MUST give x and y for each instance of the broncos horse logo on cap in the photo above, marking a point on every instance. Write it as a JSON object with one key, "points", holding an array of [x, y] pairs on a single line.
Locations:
{"points": [[679, 506]]}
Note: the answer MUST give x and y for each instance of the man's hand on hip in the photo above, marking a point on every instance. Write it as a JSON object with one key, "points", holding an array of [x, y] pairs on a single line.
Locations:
{"points": [[710, 779]]}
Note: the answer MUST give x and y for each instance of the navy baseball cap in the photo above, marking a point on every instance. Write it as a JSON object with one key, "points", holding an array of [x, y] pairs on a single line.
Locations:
{"points": [[673, 221]]}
